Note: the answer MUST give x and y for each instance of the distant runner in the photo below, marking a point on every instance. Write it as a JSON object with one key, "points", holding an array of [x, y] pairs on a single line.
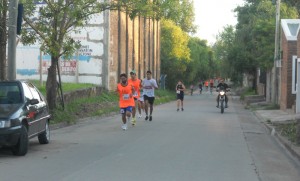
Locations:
{"points": [[141, 105], [149, 85], [180, 94]]}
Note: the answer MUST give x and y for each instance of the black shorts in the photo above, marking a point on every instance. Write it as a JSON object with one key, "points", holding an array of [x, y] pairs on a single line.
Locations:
{"points": [[180, 96], [149, 99]]}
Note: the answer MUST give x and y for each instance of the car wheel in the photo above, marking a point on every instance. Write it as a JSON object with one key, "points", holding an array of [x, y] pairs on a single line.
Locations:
{"points": [[21, 148], [44, 137]]}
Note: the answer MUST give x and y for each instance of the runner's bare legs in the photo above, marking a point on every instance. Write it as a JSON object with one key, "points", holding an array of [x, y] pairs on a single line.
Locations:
{"points": [[146, 107]]}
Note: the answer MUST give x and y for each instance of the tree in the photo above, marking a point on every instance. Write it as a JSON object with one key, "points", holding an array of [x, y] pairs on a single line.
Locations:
{"points": [[293, 3], [252, 42], [59, 18], [175, 52], [222, 49], [202, 65], [3, 38], [181, 12]]}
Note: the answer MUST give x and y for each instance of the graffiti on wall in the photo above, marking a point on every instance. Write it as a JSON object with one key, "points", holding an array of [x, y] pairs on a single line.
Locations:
{"points": [[67, 66]]}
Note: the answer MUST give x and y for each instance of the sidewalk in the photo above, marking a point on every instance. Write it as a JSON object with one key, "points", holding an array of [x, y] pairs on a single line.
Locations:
{"points": [[267, 117], [276, 116]]}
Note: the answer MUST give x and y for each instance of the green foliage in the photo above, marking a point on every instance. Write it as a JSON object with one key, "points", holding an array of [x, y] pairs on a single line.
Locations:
{"points": [[67, 87], [174, 41], [202, 64], [87, 107], [222, 48], [288, 130], [51, 24], [251, 43], [270, 106], [247, 92], [175, 52], [293, 3], [3, 6], [181, 12], [163, 96]]}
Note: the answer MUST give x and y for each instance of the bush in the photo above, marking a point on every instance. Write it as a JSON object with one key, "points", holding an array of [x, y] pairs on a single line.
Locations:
{"points": [[247, 92]]}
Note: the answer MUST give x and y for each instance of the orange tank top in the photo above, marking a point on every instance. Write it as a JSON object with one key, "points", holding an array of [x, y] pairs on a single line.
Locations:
{"points": [[136, 85], [125, 93]]}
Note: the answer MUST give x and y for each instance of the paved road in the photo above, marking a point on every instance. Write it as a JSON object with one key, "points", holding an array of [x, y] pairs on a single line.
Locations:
{"points": [[199, 143]]}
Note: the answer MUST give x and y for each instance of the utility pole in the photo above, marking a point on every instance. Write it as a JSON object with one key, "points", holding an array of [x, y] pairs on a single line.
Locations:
{"points": [[12, 33], [274, 93]]}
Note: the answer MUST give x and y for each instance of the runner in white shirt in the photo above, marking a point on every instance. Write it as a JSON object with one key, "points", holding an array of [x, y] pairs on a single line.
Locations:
{"points": [[149, 85]]}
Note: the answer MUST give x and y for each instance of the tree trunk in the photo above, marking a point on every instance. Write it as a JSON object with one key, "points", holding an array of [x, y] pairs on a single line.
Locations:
{"points": [[51, 85], [3, 40]]}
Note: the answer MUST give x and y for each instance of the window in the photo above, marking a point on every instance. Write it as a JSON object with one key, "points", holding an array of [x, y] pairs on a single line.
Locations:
{"points": [[10, 93], [27, 92], [34, 92], [294, 75]]}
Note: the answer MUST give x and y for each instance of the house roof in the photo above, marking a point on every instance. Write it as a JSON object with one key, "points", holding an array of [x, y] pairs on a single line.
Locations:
{"points": [[290, 28]]}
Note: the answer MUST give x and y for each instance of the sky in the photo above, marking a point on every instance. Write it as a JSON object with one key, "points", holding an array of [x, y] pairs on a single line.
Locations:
{"points": [[212, 15]]}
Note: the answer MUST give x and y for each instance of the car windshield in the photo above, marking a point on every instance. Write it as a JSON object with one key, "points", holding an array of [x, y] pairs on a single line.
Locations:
{"points": [[10, 93]]}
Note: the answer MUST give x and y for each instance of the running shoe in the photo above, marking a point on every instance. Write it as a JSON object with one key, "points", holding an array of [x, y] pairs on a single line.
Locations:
{"points": [[177, 110], [182, 109], [124, 127], [139, 116], [133, 121], [146, 118], [150, 118]]}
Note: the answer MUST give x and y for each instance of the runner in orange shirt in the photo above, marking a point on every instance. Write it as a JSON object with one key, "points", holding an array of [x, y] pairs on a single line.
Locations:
{"points": [[137, 86], [206, 85], [126, 101]]}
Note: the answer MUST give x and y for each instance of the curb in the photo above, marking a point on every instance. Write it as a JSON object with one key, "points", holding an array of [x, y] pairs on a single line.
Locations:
{"points": [[80, 120], [288, 145]]}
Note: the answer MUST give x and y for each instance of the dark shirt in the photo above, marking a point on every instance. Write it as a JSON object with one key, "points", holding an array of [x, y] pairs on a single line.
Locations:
{"points": [[179, 87], [222, 86]]}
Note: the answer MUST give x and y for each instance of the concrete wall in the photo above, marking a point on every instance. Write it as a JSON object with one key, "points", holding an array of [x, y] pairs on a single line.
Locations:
{"points": [[134, 44]]}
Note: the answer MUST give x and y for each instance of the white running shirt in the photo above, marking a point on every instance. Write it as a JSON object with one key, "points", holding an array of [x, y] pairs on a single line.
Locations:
{"points": [[148, 87]]}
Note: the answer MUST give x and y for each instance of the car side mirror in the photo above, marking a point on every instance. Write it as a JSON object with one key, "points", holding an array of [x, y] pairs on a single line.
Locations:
{"points": [[33, 101]]}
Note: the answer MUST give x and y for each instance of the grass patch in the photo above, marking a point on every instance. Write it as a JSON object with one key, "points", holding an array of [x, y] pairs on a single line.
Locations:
{"points": [[254, 107], [287, 130], [163, 96], [248, 92], [105, 104], [66, 87], [86, 107]]}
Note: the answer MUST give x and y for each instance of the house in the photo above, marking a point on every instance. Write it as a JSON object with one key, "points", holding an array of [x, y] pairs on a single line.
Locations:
{"points": [[289, 49], [112, 44]]}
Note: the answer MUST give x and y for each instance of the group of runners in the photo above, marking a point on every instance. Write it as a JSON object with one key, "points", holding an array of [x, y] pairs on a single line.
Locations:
{"points": [[136, 93]]}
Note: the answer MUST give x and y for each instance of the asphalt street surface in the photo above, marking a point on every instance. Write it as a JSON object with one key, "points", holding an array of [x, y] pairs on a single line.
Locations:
{"points": [[198, 144]]}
